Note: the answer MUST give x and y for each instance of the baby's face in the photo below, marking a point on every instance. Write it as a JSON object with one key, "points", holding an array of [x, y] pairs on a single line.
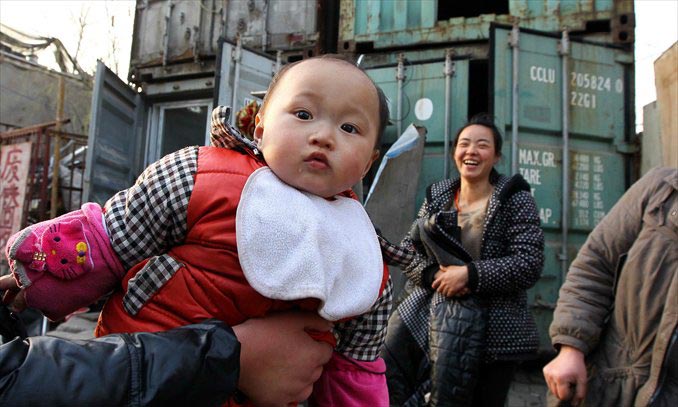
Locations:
{"points": [[318, 131]]}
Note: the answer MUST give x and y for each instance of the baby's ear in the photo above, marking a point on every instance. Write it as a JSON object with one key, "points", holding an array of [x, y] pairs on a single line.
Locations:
{"points": [[375, 155], [259, 128]]}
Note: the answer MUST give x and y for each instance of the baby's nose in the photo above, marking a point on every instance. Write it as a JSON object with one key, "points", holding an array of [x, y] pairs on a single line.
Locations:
{"points": [[323, 138]]}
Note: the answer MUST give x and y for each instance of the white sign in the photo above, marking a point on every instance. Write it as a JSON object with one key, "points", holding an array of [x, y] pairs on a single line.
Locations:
{"points": [[14, 164], [423, 109]]}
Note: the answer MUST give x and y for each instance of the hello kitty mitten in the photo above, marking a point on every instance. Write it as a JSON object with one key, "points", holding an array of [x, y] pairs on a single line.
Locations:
{"points": [[65, 263]]}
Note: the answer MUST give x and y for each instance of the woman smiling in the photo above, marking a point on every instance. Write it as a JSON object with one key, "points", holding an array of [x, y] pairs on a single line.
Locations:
{"points": [[478, 247]]}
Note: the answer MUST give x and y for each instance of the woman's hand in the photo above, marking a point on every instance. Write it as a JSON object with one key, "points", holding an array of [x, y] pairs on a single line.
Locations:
{"points": [[451, 280]]}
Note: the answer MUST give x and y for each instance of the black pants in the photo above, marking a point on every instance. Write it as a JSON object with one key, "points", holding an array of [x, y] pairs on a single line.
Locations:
{"points": [[493, 384]]}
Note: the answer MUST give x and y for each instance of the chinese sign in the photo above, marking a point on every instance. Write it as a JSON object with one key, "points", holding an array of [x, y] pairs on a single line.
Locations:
{"points": [[14, 164]]}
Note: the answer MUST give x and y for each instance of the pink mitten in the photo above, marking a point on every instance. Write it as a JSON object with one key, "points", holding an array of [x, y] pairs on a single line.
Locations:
{"points": [[64, 263], [350, 382]]}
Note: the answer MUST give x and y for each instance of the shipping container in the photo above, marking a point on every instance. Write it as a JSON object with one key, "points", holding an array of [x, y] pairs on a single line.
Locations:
{"points": [[373, 25], [566, 112], [558, 79], [181, 38], [132, 127], [188, 56]]}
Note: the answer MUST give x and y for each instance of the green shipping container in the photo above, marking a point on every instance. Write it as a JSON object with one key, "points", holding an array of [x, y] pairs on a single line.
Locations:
{"points": [[566, 115], [373, 25]]}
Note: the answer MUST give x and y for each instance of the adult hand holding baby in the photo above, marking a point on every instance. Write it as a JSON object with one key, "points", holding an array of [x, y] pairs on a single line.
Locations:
{"points": [[279, 361]]}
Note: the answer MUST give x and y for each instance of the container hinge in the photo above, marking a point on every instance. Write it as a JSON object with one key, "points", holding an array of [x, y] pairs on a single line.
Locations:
{"points": [[623, 58], [564, 44], [627, 148], [400, 69], [450, 67], [514, 37], [539, 303]]}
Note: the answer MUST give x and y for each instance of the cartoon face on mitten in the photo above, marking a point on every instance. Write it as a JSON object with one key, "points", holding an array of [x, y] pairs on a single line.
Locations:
{"points": [[65, 250]]}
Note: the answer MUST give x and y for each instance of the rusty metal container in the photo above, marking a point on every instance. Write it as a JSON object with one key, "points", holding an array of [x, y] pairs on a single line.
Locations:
{"points": [[181, 38], [371, 25]]}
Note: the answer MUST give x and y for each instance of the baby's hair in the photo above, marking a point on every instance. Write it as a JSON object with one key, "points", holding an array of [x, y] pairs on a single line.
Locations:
{"points": [[485, 120], [383, 104]]}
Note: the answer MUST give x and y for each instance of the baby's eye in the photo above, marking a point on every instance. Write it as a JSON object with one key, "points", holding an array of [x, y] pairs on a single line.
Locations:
{"points": [[349, 128], [303, 115]]}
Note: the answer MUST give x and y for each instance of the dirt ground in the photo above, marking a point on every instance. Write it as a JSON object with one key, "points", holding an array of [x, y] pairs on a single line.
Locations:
{"points": [[528, 388]]}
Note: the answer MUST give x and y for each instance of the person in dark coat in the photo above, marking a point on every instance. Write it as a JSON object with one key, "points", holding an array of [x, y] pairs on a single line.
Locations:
{"points": [[201, 364], [491, 232]]}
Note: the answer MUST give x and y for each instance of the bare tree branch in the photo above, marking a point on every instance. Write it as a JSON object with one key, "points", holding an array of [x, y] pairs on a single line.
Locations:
{"points": [[82, 24], [113, 51]]}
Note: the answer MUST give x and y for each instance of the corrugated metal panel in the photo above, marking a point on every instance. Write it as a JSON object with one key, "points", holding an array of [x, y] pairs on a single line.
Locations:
{"points": [[375, 16], [115, 142], [599, 104], [596, 166], [272, 24], [423, 103], [241, 73], [370, 24], [171, 31]]}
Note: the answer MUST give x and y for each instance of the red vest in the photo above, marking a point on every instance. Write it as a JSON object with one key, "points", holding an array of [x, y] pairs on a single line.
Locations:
{"points": [[210, 282]]}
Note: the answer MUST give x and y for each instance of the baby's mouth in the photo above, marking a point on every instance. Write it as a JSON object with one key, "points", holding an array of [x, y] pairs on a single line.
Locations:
{"points": [[317, 160]]}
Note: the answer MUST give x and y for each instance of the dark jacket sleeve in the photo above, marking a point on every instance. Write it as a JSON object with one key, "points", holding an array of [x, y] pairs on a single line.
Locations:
{"points": [[192, 365], [421, 268]]}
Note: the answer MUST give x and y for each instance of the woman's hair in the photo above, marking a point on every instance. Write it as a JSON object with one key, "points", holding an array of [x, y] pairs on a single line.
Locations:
{"points": [[485, 120], [383, 104]]}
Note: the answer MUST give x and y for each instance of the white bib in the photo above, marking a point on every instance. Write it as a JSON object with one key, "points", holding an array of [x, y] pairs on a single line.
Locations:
{"points": [[294, 245]]}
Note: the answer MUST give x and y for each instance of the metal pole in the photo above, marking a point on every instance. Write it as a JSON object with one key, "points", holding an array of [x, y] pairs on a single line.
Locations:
{"points": [[197, 32], [211, 39], [54, 199], [278, 62], [264, 34], [514, 43], [400, 77], [165, 40], [236, 80], [448, 71], [564, 50]]}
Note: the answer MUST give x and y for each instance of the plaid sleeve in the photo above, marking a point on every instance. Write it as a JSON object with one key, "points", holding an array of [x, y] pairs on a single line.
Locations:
{"points": [[150, 217], [361, 338], [395, 255], [418, 259]]}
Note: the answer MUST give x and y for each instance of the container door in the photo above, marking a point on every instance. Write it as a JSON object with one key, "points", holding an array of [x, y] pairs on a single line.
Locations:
{"points": [[423, 103], [115, 143], [174, 125], [248, 70], [596, 124]]}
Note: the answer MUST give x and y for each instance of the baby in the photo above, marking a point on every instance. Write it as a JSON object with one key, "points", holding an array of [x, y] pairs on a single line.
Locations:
{"points": [[239, 230]]}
